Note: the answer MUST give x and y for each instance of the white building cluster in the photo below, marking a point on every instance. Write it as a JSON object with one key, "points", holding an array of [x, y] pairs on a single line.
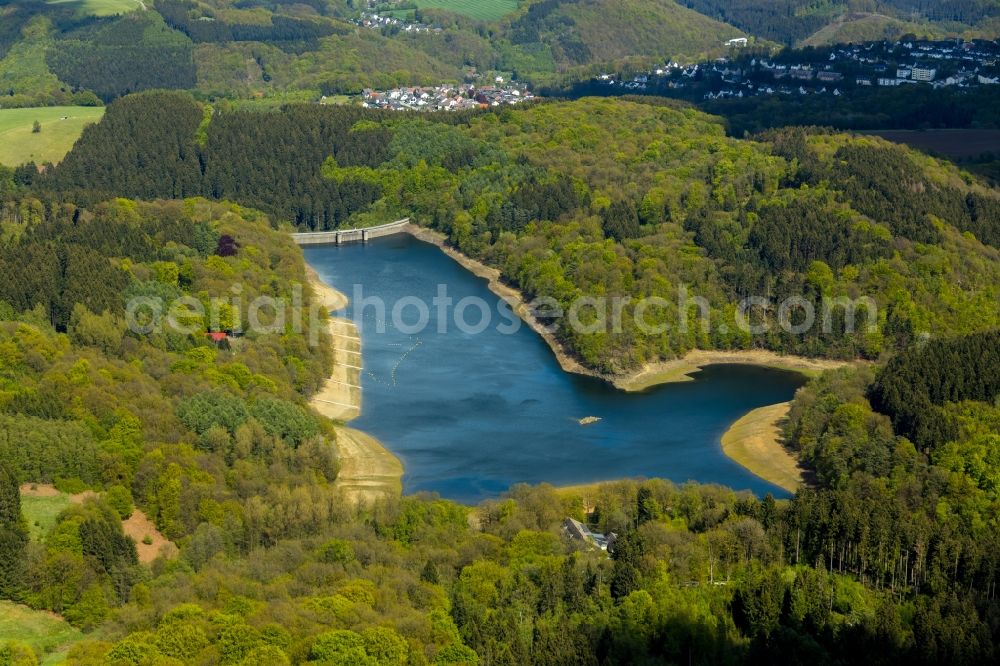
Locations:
{"points": [[937, 64], [444, 97], [383, 21]]}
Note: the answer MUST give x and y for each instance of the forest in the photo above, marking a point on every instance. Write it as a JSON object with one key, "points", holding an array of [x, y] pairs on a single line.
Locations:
{"points": [[791, 21], [890, 554], [670, 201], [906, 107]]}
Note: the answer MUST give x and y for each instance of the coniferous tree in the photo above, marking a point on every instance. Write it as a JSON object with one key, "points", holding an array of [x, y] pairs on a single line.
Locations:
{"points": [[13, 533]]}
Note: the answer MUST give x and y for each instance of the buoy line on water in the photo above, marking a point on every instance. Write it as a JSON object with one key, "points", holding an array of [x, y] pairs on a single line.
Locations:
{"points": [[393, 372]]}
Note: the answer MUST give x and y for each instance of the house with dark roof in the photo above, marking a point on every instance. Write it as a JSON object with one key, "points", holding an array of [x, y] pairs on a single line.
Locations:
{"points": [[580, 532]]}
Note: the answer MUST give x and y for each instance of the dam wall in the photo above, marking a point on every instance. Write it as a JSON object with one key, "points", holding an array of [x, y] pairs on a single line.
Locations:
{"points": [[342, 236]]}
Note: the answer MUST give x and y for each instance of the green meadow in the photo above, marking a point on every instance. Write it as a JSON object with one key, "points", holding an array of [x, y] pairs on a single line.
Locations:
{"points": [[47, 633], [41, 512], [481, 10], [61, 127], [101, 7]]}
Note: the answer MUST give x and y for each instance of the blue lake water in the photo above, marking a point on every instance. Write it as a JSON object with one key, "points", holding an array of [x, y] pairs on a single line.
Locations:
{"points": [[470, 414]]}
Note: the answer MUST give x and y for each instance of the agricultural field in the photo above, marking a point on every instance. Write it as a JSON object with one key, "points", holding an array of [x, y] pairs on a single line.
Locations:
{"points": [[480, 10], [61, 126], [101, 7], [47, 633]]}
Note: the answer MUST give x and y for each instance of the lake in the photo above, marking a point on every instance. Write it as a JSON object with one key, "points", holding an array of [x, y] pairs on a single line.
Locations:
{"points": [[470, 413]]}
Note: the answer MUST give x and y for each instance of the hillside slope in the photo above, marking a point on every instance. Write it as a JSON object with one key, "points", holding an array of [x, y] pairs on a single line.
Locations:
{"points": [[857, 27], [604, 197], [795, 21], [585, 31]]}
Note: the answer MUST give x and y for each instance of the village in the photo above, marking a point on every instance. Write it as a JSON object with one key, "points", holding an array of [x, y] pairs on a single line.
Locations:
{"points": [[389, 24], [833, 70], [445, 97]]}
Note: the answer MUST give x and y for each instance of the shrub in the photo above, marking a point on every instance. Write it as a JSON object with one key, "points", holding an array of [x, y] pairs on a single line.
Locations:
{"points": [[120, 499], [180, 640], [15, 653], [340, 647]]}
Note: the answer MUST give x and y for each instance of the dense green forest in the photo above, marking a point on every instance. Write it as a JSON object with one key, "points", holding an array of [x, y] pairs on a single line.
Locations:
{"points": [[890, 555], [793, 21], [903, 107], [172, 421], [581, 32], [668, 201], [113, 58], [915, 387]]}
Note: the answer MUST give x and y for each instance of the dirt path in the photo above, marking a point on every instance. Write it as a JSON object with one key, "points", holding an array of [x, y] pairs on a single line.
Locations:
{"points": [[142, 529], [755, 442]]}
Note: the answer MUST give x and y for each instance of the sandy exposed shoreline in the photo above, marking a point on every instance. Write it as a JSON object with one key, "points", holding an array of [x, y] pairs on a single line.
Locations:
{"points": [[681, 369], [368, 471], [332, 299], [754, 441]]}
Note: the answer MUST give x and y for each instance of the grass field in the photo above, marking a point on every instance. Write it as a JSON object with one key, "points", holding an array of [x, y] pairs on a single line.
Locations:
{"points": [[61, 127], [101, 7], [481, 10], [41, 512], [46, 632]]}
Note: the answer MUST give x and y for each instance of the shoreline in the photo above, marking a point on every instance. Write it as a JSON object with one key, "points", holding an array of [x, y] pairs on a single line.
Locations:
{"points": [[332, 299], [512, 296], [755, 442], [682, 368], [368, 470], [651, 374]]}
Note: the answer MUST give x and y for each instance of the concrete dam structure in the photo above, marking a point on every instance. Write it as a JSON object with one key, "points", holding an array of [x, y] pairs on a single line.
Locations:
{"points": [[342, 236]]}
